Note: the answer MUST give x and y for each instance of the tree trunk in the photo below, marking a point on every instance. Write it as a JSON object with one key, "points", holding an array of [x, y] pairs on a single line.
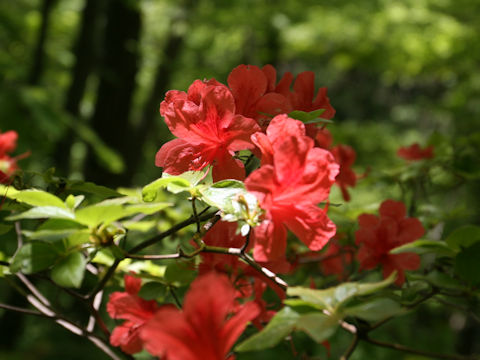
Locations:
{"points": [[86, 50], [37, 68], [117, 84]]}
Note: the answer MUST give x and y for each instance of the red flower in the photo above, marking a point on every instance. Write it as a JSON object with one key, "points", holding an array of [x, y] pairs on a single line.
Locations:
{"points": [[8, 142], [303, 95], [8, 166], [377, 236], [337, 258], [415, 153], [205, 329], [345, 157], [135, 310], [293, 179], [254, 92], [208, 131]]}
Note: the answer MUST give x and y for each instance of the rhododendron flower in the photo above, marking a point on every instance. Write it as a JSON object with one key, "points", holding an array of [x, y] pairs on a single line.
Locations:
{"points": [[336, 260], [205, 329], [415, 153], [208, 130], [254, 92], [344, 156], [8, 142], [378, 235], [293, 179], [135, 310]]}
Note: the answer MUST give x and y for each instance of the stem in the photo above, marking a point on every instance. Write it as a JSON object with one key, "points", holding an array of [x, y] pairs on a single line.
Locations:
{"points": [[351, 348], [171, 231], [432, 355], [106, 277], [21, 310]]}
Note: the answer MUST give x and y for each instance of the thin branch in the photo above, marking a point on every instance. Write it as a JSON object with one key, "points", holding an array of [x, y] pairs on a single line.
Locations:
{"points": [[406, 349], [21, 310], [106, 277], [351, 348], [191, 220], [33, 289]]}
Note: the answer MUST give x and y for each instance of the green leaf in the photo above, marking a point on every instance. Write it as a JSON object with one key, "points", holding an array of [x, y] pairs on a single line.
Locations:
{"points": [[334, 297], [425, 246], [97, 214], [374, 310], [466, 264], [33, 257], [73, 202], [180, 272], [309, 117], [49, 235], [41, 212], [4, 228], [317, 325], [36, 197], [91, 188], [149, 192], [146, 209], [276, 330], [2, 267], [152, 290], [69, 271], [463, 237]]}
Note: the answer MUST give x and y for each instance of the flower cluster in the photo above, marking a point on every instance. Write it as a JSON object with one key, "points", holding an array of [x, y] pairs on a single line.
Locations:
{"points": [[8, 165], [378, 235], [205, 329], [414, 152]]}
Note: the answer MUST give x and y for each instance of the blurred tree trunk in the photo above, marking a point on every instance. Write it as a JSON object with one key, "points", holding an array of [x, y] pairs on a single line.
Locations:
{"points": [[118, 69], [165, 70], [86, 50], [37, 68]]}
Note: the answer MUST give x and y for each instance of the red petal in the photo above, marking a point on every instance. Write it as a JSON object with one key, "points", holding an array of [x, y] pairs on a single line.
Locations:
{"points": [[393, 209], [248, 83], [270, 241], [311, 225], [178, 156], [235, 326]]}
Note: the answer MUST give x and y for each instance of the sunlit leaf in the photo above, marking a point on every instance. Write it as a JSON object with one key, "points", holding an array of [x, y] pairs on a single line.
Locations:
{"points": [[33, 257], [276, 330], [70, 270]]}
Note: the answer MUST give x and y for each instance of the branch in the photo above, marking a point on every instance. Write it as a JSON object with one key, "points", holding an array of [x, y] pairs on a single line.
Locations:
{"points": [[21, 310], [191, 220], [432, 355], [351, 348]]}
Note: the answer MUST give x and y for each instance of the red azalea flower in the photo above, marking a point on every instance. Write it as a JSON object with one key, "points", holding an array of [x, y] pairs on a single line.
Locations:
{"points": [[415, 153], [205, 329], [293, 179], [8, 166], [254, 92], [345, 157], [135, 310], [378, 235], [337, 258], [208, 130], [303, 95], [8, 142]]}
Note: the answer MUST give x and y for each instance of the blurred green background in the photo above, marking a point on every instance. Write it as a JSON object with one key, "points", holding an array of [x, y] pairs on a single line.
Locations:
{"points": [[81, 82]]}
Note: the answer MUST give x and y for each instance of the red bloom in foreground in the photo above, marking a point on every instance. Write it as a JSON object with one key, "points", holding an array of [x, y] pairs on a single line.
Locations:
{"points": [[208, 130], [8, 165], [415, 153], [135, 310], [293, 179], [205, 329], [378, 235]]}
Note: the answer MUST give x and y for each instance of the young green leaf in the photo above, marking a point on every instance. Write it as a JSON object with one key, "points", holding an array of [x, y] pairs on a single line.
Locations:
{"points": [[149, 192], [33, 257], [317, 325], [41, 212], [375, 310], [276, 330], [70, 270]]}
